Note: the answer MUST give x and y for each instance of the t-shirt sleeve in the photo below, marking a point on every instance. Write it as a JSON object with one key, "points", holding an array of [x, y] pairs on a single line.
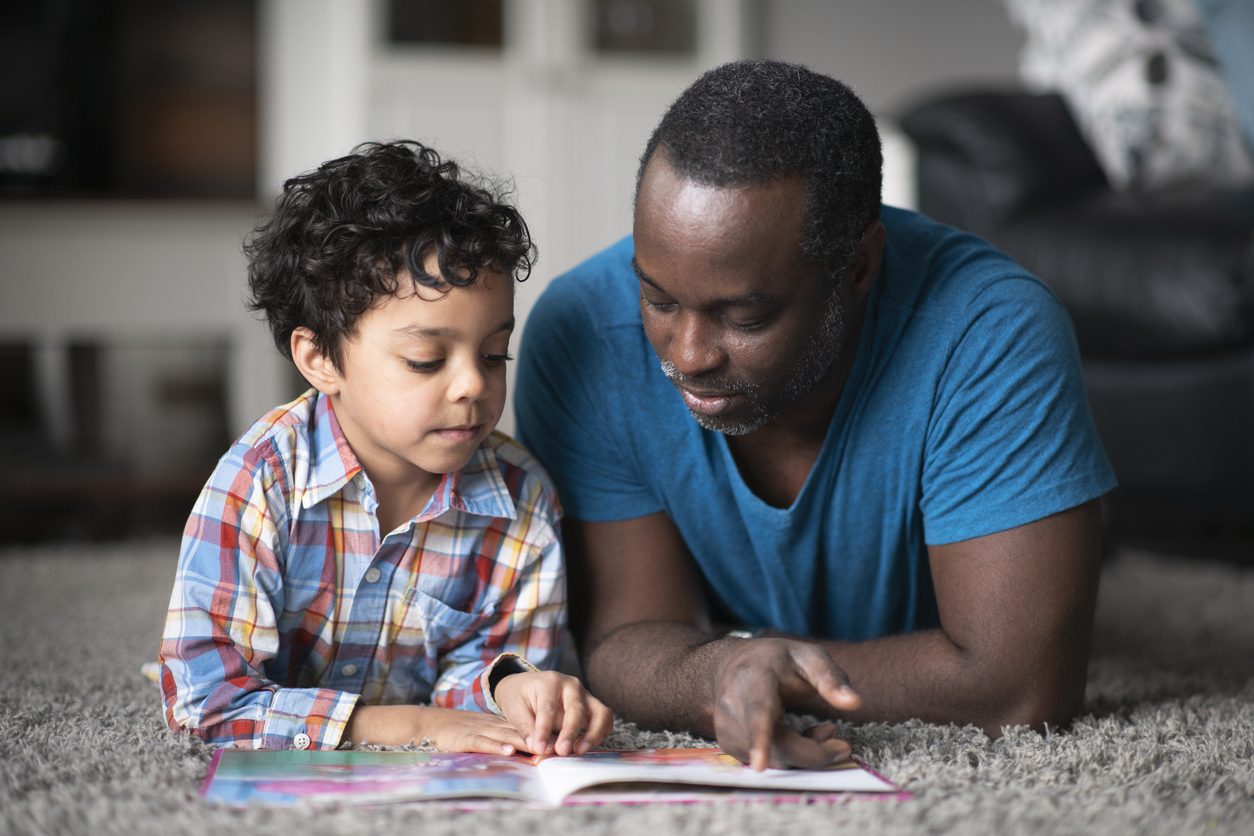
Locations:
{"points": [[1011, 439], [571, 395]]}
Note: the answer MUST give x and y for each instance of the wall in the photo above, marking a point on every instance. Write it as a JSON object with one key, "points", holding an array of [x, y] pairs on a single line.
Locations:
{"points": [[893, 51], [148, 280]]}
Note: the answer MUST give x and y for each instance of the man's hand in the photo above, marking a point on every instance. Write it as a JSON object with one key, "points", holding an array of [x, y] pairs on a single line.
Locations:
{"points": [[449, 729], [541, 704], [759, 680]]}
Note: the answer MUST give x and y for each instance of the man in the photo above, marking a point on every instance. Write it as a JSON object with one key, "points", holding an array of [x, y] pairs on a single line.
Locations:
{"points": [[860, 434]]}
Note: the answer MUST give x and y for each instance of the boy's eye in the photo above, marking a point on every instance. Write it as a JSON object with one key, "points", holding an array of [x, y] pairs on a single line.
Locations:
{"points": [[427, 366], [497, 359]]}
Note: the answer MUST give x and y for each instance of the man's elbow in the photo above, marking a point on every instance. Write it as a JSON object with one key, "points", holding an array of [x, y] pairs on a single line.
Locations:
{"points": [[1036, 707]]}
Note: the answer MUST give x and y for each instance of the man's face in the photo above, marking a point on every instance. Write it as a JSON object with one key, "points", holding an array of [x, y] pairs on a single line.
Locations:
{"points": [[743, 323], [423, 381]]}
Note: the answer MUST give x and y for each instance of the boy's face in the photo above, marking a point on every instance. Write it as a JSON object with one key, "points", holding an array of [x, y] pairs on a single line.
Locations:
{"points": [[423, 379]]}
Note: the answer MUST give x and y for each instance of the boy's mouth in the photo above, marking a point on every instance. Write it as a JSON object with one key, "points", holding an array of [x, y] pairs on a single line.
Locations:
{"points": [[460, 434]]}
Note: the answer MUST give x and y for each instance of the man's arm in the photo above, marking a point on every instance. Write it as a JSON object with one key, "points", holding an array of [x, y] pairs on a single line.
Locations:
{"points": [[650, 654], [1016, 610]]}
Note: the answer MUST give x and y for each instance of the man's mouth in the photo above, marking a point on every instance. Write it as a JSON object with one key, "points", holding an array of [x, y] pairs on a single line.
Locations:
{"points": [[707, 403]]}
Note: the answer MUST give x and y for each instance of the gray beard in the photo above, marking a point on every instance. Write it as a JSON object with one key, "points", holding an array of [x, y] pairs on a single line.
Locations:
{"points": [[815, 358]]}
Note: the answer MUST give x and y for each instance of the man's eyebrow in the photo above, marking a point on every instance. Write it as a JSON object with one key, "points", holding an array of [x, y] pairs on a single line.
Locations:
{"points": [[745, 301], [445, 333], [635, 265]]}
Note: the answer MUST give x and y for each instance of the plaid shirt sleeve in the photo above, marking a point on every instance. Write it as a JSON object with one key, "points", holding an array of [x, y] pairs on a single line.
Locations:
{"points": [[222, 625], [528, 620]]}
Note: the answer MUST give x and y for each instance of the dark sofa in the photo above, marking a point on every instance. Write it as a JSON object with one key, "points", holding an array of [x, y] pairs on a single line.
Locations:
{"points": [[1160, 286]]}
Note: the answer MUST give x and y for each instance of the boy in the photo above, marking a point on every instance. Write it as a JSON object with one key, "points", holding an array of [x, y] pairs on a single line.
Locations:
{"points": [[373, 543]]}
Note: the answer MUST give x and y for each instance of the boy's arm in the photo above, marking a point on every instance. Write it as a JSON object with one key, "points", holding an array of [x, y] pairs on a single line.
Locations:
{"points": [[222, 626], [526, 629]]}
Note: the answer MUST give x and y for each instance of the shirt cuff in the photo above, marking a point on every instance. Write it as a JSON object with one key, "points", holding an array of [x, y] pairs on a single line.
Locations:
{"points": [[307, 718], [485, 678]]}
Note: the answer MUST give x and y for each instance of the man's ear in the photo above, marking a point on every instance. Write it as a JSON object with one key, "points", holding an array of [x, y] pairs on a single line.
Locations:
{"points": [[866, 261], [313, 365]]}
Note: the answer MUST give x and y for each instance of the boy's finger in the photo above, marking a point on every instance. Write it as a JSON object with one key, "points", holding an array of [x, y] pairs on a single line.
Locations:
{"points": [[490, 745], [574, 720], [600, 724], [546, 716], [505, 732], [523, 719]]}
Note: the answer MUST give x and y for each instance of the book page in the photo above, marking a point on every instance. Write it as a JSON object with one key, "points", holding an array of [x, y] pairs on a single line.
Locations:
{"points": [[239, 777], [700, 767]]}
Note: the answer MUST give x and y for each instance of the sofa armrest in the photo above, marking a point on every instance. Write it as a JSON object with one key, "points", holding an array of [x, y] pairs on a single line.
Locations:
{"points": [[985, 156]]}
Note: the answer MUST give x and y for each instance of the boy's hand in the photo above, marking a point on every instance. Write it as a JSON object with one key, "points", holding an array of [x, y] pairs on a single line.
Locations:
{"points": [[541, 704], [449, 729]]}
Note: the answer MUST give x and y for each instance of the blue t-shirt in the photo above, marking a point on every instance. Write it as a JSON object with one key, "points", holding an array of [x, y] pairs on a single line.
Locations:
{"points": [[964, 414]]}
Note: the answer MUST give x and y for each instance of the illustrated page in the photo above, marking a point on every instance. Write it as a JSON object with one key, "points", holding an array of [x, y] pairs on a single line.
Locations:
{"points": [[285, 778]]}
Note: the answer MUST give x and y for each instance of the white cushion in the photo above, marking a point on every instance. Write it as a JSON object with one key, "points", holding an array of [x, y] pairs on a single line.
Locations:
{"points": [[1143, 83]]}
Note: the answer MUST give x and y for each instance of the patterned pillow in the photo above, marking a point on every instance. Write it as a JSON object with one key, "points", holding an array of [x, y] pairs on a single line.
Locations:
{"points": [[1143, 83]]}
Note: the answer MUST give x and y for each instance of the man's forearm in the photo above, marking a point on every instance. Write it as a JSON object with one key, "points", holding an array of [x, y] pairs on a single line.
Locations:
{"points": [[662, 675], [926, 676], [1017, 613], [658, 674]]}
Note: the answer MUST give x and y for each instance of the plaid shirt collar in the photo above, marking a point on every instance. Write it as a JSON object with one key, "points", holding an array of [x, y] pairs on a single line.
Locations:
{"points": [[478, 488]]}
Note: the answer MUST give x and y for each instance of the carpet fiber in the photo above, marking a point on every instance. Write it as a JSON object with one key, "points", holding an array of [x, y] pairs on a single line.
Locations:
{"points": [[1165, 744]]}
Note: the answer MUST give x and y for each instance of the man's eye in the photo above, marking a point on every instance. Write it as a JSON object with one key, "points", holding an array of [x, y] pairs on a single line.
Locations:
{"points": [[664, 307], [497, 359], [424, 366], [752, 325]]}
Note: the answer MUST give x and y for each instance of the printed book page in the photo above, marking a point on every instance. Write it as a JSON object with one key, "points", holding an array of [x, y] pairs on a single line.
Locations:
{"points": [[695, 768], [239, 777]]}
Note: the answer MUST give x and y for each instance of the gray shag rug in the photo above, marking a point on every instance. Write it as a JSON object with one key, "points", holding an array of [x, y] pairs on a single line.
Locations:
{"points": [[1165, 743]]}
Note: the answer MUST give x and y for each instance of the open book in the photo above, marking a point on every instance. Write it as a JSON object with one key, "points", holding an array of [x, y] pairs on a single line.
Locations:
{"points": [[239, 777]]}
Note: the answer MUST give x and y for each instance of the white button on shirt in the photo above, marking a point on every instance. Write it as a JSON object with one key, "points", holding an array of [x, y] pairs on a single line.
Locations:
{"points": [[300, 741], [372, 575], [348, 670]]}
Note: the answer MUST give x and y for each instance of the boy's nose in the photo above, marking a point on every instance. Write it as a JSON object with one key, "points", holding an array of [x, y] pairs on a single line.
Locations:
{"points": [[469, 383]]}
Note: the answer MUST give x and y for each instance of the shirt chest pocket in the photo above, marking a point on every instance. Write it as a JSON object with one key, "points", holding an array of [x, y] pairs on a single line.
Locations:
{"points": [[440, 625]]}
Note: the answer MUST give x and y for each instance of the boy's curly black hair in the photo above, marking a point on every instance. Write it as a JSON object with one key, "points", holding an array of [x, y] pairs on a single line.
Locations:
{"points": [[340, 237]]}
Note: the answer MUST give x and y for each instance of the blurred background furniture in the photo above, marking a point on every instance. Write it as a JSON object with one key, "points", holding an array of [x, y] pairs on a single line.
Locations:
{"points": [[1160, 285]]}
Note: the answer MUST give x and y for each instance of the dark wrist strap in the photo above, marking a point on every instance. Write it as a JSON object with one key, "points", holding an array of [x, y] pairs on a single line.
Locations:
{"points": [[503, 669]]}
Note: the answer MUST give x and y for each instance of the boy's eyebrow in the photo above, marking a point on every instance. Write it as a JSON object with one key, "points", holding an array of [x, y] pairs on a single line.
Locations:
{"points": [[446, 333], [754, 298]]}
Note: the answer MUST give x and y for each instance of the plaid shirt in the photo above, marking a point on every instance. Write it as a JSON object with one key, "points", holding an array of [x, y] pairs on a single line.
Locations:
{"points": [[287, 609]]}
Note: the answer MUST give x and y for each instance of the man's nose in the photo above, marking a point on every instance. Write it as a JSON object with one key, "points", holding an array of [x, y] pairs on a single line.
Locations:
{"points": [[694, 346]]}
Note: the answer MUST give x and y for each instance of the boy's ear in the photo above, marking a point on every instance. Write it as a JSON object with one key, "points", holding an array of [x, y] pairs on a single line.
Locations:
{"points": [[313, 365]]}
